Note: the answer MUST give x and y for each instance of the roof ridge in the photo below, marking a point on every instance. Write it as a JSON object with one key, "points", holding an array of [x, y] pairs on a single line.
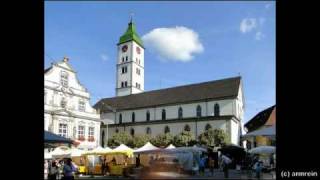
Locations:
{"points": [[182, 86]]}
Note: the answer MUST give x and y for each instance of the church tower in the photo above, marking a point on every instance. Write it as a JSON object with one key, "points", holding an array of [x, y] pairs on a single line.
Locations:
{"points": [[130, 63]]}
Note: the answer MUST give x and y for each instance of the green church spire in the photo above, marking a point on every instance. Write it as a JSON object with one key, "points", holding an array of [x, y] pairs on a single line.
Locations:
{"points": [[130, 35]]}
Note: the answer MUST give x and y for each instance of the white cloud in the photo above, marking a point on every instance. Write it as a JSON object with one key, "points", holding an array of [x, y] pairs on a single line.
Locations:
{"points": [[104, 57], [259, 36], [176, 43], [248, 24]]}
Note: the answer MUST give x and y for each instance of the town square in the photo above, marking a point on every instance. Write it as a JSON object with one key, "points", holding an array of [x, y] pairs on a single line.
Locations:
{"points": [[147, 90]]}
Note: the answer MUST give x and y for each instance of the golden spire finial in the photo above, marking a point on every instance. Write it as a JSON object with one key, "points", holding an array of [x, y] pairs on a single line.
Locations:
{"points": [[65, 59]]}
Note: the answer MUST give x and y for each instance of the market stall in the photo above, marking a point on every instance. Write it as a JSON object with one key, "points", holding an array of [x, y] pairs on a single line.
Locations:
{"points": [[61, 152], [121, 159], [93, 160]]}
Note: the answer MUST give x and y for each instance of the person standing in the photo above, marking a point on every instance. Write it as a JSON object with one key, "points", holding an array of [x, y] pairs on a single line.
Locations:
{"points": [[68, 170], [225, 161], [211, 165], [138, 161], [258, 169], [54, 170], [202, 165], [46, 169], [103, 167]]}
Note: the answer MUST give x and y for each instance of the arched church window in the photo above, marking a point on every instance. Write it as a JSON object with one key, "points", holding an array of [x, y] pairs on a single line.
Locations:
{"points": [[166, 129], [163, 114], [208, 126], [198, 111], [132, 132], [216, 110], [120, 118], [180, 113], [133, 117], [117, 130], [148, 116], [187, 127], [148, 130]]}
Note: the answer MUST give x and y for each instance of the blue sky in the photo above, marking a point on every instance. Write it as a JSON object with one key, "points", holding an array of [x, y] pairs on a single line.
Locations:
{"points": [[235, 37]]}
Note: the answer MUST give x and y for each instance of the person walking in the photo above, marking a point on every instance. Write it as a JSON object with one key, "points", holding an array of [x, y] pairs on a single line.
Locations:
{"points": [[53, 171], [46, 169], [258, 169], [68, 170], [211, 165], [202, 165], [225, 162]]}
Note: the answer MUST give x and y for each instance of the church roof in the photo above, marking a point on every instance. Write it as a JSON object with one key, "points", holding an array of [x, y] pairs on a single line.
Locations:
{"points": [[48, 69], [130, 35], [219, 89], [265, 117]]}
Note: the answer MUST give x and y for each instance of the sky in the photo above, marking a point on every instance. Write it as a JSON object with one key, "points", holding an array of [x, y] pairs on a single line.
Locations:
{"points": [[186, 43]]}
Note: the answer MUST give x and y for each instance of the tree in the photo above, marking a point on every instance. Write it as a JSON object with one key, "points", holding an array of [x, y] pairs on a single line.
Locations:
{"points": [[220, 137], [140, 140], [162, 140], [185, 138], [216, 137], [120, 138]]}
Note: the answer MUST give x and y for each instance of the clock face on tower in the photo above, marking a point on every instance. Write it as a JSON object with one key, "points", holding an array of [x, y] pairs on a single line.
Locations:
{"points": [[138, 50], [124, 48]]}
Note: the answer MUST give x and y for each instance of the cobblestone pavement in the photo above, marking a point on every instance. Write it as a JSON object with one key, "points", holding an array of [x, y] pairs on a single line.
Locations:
{"points": [[218, 174]]}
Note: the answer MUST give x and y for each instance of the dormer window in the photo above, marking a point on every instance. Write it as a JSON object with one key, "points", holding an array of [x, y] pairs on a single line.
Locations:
{"points": [[63, 103], [64, 78], [82, 106]]}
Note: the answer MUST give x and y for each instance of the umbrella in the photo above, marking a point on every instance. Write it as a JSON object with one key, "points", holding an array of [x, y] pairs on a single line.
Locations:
{"points": [[263, 150]]}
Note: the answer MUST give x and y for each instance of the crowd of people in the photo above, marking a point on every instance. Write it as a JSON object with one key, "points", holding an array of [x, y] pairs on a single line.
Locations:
{"points": [[63, 169]]}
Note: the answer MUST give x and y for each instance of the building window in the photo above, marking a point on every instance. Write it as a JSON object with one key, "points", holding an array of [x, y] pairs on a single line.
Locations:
{"points": [[166, 129], [81, 133], [148, 116], [216, 110], [102, 138], [91, 134], [64, 78], [198, 111], [122, 84], [208, 126], [125, 84], [124, 69], [122, 59], [117, 130], [82, 106], [120, 118], [63, 103], [133, 117], [132, 132], [148, 130], [63, 130], [138, 85], [187, 127], [138, 71], [126, 58], [163, 114], [180, 113]]}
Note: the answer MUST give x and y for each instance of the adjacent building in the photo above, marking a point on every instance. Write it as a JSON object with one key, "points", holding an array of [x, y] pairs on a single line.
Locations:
{"points": [[68, 112], [262, 121]]}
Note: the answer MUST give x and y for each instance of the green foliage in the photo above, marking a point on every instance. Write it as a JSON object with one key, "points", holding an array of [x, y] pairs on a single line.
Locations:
{"points": [[120, 138], [140, 140], [216, 137], [185, 138], [220, 137], [162, 140]]}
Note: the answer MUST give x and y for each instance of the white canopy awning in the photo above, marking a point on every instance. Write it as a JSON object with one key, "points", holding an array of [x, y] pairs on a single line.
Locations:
{"points": [[61, 153], [122, 147], [263, 150], [47, 155], [171, 146], [75, 152], [266, 131], [99, 150], [147, 147]]}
